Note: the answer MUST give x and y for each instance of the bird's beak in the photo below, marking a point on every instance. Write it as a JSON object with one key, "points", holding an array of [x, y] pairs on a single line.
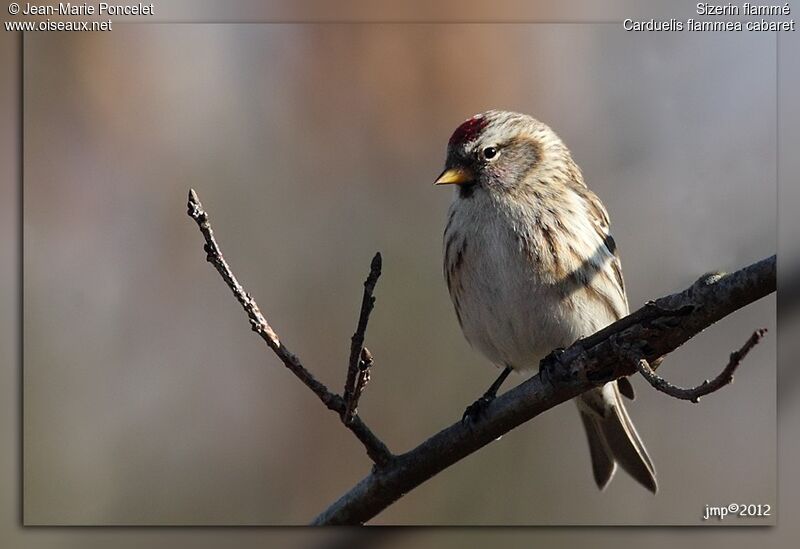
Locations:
{"points": [[455, 176]]}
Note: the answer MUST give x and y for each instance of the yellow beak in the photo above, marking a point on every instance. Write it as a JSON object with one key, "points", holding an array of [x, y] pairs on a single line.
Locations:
{"points": [[455, 176]]}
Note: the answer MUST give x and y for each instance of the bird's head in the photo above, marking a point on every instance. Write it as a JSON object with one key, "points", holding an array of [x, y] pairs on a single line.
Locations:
{"points": [[499, 151]]}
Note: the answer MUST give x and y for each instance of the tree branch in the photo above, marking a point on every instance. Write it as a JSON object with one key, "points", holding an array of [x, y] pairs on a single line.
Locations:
{"points": [[693, 394], [658, 328], [376, 449]]}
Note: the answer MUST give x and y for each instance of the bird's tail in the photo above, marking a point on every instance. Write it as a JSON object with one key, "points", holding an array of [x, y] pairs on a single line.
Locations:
{"points": [[613, 438]]}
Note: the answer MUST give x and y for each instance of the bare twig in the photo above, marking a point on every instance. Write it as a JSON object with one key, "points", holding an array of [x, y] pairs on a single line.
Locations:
{"points": [[358, 370], [361, 379], [707, 387], [655, 330], [257, 321], [376, 449]]}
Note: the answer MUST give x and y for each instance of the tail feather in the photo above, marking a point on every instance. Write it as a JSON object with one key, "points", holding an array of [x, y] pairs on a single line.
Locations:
{"points": [[603, 465], [613, 438]]}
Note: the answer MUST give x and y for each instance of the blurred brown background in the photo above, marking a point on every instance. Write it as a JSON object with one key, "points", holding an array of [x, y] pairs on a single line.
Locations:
{"points": [[147, 400], [11, 535]]}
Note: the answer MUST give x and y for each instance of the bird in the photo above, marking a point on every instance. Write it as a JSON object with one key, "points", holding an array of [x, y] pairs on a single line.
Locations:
{"points": [[531, 266]]}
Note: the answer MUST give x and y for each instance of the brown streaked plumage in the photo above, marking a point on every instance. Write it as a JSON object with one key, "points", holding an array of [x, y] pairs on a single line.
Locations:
{"points": [[531, 266]]}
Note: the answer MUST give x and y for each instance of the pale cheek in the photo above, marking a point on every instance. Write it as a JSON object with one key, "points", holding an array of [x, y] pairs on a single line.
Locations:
{"points": [[502, 174]]}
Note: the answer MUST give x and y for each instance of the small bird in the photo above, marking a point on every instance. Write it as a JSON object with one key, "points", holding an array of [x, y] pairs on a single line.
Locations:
{"points": [[531, 267]]}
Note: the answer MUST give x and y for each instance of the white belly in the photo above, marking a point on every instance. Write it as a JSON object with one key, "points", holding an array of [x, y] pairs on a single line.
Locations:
{"points": [[506, 310], [508, 316]]}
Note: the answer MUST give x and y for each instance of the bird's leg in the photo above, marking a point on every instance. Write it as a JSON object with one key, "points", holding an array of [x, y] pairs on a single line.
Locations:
{"points": [[475, 410]]}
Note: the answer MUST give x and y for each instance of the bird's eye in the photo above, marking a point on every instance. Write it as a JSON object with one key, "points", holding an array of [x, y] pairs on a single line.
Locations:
{"points": [[490, 152]]}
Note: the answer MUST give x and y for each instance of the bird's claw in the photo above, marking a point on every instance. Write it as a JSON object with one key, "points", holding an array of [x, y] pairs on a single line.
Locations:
{"points": [[477, 409], [549, 367]]}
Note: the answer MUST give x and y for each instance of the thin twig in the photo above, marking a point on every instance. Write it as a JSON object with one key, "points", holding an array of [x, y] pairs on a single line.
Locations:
{"points": [[655, 330], [375, 447], [361, 379], [355, 372], [707, 387], [258, 323]]}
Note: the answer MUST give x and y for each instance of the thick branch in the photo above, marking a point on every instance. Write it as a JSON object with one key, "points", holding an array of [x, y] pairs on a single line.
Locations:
{"points": [[376, 449], [693, 394], [655, 330]]}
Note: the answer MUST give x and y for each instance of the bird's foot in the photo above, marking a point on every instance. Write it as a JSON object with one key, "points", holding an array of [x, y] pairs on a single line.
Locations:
{"points": [[550, 367], [477, 409]]}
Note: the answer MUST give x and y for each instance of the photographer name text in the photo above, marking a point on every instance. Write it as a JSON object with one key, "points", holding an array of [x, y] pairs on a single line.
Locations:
{"points": [[102, 8]]}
